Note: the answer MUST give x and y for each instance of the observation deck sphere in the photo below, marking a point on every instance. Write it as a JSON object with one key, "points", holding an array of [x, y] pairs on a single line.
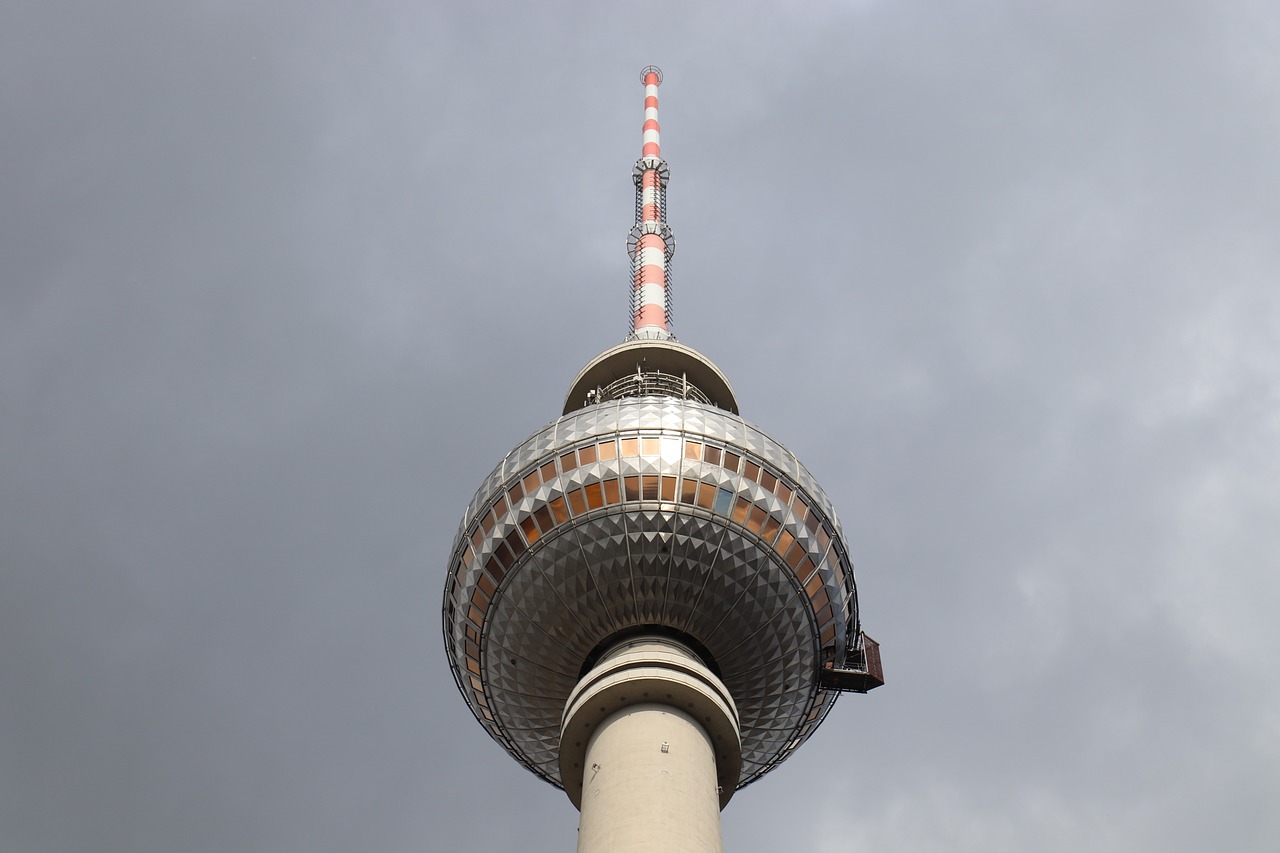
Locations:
{"points": [[648, 514]]}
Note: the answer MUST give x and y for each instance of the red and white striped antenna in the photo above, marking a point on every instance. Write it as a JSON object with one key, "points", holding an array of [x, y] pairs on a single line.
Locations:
{"points": [[651, 243]]}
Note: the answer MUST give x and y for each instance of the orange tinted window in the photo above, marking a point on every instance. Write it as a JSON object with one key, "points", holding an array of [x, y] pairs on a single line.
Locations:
{"points": [[587, 454], [706, 495], [751, 471], [608, 450], [711, 454], [632, 486], [758, 516], [630, 447], [668, 488], [692, 450], [649, 487], [532, 481], [649, 447], [768, 480], [559, 511], [688, 488], [595, 496], [795, 555], [543, 517], [577, 502], [568, 461], [784, 543], [548, 471], [515, 493], [740, 510], [731, 460], [611, 495], [530, 528]]}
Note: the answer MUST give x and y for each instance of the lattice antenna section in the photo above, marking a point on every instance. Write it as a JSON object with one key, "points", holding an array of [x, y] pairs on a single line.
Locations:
{"points": [[651, 243]]}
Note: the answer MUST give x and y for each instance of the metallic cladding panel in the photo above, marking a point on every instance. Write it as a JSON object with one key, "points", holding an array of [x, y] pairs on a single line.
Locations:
{"points": [[648, 511]]}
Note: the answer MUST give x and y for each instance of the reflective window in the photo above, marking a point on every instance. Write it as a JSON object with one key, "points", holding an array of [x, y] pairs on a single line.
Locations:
{"points": [[784, 493], [577, 502], [568, 461], [500, 561], [751, 471], [768, 480], [668, 488], [820, 600], [724, 499], [543, 517], [692, 450], [587, 455], [516, 544], [595, 496], [770, 528], [794, 556], [731, 460], [740, 511], [758, 515], [515, 493], [687, 490], [711, 454], [630, 447], [548, 471], [559, 511], [532, 480], [632, 488], [706, 495], [649, 486], [608, 449], [530, 528], [611, 492], [784, 543], [649, 446]]}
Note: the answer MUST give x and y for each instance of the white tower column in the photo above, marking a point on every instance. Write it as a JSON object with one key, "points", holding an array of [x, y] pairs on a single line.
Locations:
{"points": [[650, 751]]}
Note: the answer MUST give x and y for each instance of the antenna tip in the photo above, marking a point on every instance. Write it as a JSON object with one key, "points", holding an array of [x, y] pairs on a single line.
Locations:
{"points": [[651, 70]]}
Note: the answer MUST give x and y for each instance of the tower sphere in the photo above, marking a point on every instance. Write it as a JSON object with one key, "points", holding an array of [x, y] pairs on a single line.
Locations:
{"points": [[641, 514]]}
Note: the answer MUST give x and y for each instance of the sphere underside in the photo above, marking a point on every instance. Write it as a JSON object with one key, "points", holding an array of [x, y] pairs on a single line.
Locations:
{"points": [[646, 513]]}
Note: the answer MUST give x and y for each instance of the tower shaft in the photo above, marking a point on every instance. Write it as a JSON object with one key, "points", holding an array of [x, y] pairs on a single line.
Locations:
{"points": [[650, 750]]}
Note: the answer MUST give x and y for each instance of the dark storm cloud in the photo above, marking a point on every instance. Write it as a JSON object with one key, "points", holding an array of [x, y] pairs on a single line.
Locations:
{"points": [[280, 285]]}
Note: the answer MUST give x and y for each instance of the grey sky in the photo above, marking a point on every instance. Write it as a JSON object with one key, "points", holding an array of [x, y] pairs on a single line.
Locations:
{"points": [[280, 283]]}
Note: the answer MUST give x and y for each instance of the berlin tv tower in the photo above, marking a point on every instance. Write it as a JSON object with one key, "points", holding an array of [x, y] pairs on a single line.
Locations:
{"points": [[650, 602]]}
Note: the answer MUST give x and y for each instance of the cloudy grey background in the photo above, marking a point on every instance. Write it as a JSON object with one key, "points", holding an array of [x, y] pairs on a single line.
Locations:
{"points": [[279, 283]]}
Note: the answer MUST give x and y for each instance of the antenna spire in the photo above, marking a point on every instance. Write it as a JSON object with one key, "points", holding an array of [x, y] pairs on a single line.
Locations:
{"points": [[651, 243]]}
